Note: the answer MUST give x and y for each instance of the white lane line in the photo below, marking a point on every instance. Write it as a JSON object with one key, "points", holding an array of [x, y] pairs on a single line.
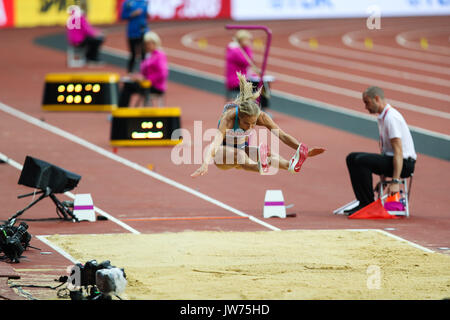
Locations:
{"points": [[71, 137], [357, 95], [325, 72], [298, 40], [360, 66], [403, 40], [189, 39], [404, 240], [415, 245], [328, 73], [350, 39], [43, 238], [346, 111], [311, 102], [199, 58], [18, 166]]}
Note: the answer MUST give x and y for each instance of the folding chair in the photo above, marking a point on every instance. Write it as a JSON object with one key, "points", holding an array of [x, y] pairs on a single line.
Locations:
{"points": [[404, 189], [379, 188]]}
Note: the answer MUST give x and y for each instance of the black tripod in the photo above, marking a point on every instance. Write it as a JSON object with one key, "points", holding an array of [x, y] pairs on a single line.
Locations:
{"points": [[62, 209]]}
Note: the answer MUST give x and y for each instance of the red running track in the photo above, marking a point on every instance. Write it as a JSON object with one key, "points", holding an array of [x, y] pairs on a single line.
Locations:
{"points": [[125, 193]]}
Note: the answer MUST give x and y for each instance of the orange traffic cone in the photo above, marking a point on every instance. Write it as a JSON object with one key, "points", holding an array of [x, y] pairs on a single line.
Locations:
{"points": [[374, 210]]}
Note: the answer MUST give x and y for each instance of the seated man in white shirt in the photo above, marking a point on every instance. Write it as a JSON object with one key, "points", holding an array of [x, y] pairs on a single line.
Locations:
{"points": [[397, 158]]}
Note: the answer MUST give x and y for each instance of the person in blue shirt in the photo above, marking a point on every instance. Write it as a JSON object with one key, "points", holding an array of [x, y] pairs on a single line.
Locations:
{"points": [[135, 11]]}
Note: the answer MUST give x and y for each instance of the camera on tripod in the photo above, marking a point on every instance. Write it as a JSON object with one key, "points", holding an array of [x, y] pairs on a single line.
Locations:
{"points": [[14, 240], [50, 180]]}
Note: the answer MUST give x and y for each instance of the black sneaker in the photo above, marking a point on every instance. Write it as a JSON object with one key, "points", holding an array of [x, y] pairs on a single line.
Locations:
{"points": [[349, 212]]}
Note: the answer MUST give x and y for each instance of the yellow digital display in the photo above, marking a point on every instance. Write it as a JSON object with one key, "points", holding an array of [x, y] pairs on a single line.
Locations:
{"points": [[144, 126], [81, 92]]}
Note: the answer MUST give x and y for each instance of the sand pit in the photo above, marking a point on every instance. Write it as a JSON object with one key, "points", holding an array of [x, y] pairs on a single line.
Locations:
{"points": [[267, 265]]}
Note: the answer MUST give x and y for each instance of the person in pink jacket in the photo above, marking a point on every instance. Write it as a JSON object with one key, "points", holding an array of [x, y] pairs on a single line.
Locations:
{"points": [[81, 33], [238, 59], [154, 69]]}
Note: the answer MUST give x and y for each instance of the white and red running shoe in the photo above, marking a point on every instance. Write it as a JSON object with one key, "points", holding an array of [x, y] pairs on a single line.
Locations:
{"points": [[263, 162], [295, 164]]}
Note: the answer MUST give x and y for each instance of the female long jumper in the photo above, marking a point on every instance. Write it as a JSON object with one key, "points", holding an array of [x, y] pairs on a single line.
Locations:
{"points": [[230, 147]]}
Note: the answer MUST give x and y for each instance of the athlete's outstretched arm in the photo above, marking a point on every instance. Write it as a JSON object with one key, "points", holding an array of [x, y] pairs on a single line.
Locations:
{"points": [[218, 139], [266, 121]]}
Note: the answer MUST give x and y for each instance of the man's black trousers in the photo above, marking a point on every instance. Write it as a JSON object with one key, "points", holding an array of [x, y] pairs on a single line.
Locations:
{"points": [[362, 165]]}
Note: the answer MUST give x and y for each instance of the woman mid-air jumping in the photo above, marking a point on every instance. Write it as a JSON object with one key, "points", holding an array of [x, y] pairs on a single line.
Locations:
{"points": [[230, 147]]}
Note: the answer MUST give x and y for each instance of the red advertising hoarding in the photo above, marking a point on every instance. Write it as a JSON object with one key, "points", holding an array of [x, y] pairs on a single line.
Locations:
{"points": [[158, 10], [185, 9], [6, 13]]}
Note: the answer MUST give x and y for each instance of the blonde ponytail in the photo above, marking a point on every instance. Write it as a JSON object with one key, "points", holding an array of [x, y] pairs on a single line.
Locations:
{"points": [[246, 100]]}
